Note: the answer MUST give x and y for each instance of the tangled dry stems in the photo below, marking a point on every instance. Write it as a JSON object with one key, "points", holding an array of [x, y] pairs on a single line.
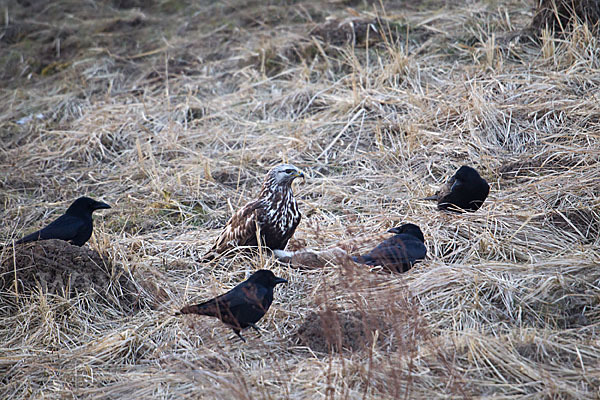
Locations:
{"points": [[173, 111]]}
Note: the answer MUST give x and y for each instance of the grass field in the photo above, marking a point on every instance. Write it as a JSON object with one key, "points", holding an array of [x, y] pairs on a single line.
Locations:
{"points": [[172, 111]]}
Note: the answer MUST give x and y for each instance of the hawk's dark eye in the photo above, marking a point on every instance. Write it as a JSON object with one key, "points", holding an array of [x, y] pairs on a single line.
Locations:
{"points": [[289, 171]]}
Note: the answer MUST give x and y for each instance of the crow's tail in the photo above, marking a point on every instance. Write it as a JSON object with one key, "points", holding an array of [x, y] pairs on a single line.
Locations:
{"points": [[206, 308], [29, 238], [188, 310], [435, 197], [358, 259]]}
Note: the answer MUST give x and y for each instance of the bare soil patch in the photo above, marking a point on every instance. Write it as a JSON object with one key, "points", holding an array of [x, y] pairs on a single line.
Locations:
{"points": [[338, 331]]}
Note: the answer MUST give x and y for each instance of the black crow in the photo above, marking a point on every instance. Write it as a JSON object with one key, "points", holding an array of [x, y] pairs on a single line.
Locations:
{"points": [[465, 191], [75, 226], [243, 305], [398, 253]]}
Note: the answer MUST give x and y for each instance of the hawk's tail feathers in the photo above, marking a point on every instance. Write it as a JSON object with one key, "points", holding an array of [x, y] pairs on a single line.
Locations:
{"points": [[209, 256]]}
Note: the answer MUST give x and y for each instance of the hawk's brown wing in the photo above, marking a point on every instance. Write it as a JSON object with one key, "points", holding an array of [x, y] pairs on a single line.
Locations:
{"points": [[240, 230]]}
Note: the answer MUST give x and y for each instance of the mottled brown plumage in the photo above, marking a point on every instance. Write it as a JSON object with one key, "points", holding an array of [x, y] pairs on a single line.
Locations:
{"points": [[273, 217]]}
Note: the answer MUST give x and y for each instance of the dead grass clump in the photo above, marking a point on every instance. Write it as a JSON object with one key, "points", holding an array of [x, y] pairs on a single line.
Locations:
{"points": [[528, 363], [581, 222], [567, 308], [273, 58], [363, 31], [124, 25], [11, 33], [543, 164], [560, 15], [58, 267], [554, 297]]}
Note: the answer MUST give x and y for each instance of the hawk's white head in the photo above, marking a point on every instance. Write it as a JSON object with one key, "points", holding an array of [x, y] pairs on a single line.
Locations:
{"points": [[283, 174]]}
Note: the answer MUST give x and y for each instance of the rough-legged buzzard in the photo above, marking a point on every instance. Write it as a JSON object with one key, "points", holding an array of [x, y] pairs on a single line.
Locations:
{"points": [[273, 217]]}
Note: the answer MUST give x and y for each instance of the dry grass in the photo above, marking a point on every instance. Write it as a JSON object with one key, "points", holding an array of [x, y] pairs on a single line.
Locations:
{"points": [[174, 111]]}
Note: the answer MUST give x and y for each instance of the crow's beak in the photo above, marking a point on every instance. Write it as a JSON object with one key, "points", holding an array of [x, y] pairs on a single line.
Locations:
{"points": [[394, 230], [280, 280], [100, 205]]}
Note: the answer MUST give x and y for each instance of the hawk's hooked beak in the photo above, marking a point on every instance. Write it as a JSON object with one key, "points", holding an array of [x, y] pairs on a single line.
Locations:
{"points": [[299, 174]]}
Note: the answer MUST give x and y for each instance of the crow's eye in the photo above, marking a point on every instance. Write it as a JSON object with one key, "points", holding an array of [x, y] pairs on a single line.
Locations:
{"points": [[289, 171]]}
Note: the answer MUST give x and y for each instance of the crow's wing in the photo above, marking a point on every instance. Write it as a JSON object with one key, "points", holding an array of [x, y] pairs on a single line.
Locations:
{"points": [[457, 184], [235, 306], [414, 249], [399, 249]]}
